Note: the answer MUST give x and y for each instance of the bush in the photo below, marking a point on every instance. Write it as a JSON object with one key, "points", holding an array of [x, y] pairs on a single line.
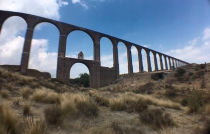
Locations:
{"points": [[156, 118], [179, 72], [157, 76], [53, 115], [145, 88], [87, 107], [135, 106], [195, 101], [101, 101], [184, 102], [202, 66], [203, 83]]}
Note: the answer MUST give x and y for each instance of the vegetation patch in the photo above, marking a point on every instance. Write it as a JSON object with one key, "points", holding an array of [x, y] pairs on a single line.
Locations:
{"points": [[156, 118]]}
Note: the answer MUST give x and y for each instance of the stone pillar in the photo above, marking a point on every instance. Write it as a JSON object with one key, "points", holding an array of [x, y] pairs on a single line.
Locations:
{"points": [[115, 59], [129, 57], [96, 48], [26, 50], [155, 61], [161, 62], [61, 57], [169, 59], [141, 68], [166, 63], [148, 61]]}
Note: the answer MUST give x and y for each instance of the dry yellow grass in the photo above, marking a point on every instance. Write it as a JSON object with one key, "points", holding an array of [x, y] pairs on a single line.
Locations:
{"points": [[25, 92], [35, 126], [5, 93], [8, 119]]}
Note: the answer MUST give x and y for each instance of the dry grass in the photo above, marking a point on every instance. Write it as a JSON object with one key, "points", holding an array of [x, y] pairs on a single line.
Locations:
{"points": [[8, 119], [26, 109], [46, 96], [25, 92], [35, 127], [117, 104], [156, 118], [4, 93], [54, 115]]}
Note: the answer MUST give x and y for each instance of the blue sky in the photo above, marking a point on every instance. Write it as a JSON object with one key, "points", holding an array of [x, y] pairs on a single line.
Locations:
{"points": [[180, 28]]}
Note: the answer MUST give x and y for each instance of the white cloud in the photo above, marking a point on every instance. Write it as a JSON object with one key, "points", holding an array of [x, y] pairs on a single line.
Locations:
{"points": [[82, 3], [11, 41], [206, 33], [44, 8], [197, 50]]}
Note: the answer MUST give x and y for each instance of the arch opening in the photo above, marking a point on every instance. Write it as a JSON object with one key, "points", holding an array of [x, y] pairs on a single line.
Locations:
{"points": [[144, 59], [152, 61], [164, 64], [12, 38], [80, 75], [122, 57], [158, 61], [106, 50], [44, 48], [135, 61], [79, 41]]}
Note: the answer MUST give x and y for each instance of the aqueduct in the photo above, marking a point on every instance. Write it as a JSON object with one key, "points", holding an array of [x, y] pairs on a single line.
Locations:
{"points": [[99, 76]]}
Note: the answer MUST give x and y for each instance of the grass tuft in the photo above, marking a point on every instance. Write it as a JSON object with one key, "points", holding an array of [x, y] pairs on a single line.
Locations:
{"points": [[54, 115], [4, 93], [25, 92], [87, 107], [117, 104], [26, 109], [156, 118], [8, 119], [35, 127]]}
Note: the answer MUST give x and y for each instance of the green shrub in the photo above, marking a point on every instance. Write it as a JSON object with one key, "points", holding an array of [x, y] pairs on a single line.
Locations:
{"points": [[156, 118]]}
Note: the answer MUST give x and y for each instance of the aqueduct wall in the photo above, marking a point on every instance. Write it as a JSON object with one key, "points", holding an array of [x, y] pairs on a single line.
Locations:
{"points": [[99, 76]]}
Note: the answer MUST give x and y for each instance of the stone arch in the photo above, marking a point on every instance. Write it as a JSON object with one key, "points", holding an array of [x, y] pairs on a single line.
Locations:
{"points": [[93, 67], [74, 44], [144, 59], [12, 37], [8, 16], [81, 67], [135, 62], [122, 58], [44, 48], [106, 57]]}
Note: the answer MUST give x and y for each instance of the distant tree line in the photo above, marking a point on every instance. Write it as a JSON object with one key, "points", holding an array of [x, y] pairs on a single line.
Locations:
{"points": [[82, 80]]}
